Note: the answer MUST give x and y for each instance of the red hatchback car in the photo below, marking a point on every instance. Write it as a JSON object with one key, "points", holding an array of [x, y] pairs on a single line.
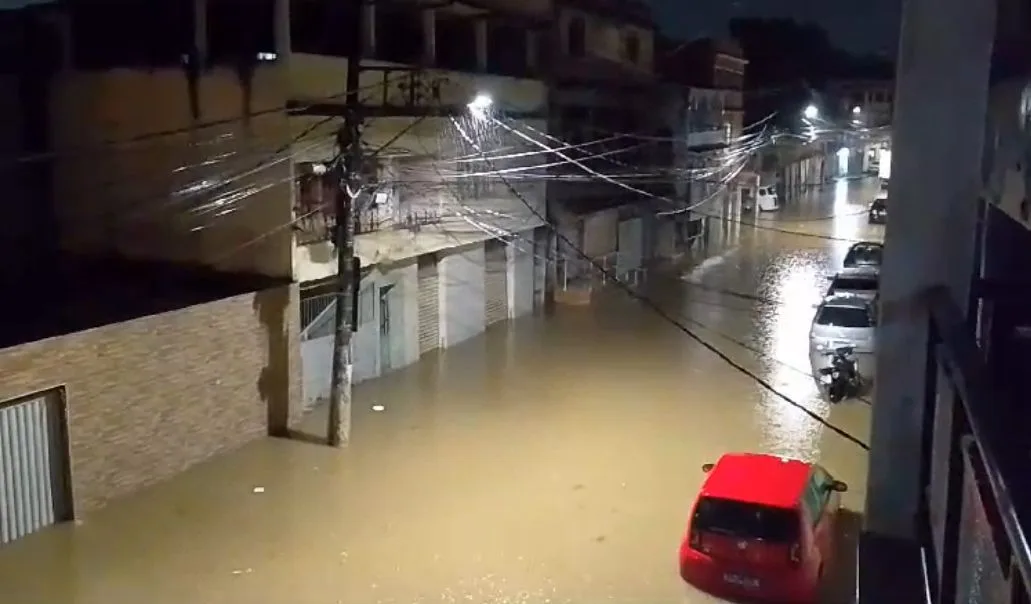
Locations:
{"points": [[762, 528]]}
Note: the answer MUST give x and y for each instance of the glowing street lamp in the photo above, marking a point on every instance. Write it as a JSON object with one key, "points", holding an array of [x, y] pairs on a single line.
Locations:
{"points": [[811, 112], [480, 106], [856, 110]]}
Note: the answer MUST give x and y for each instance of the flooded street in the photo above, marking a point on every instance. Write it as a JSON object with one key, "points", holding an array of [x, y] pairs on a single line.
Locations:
{"points": [[553, 460]]}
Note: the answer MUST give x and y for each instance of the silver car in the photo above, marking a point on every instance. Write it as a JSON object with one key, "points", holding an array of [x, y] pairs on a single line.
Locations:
{"points": [[844, 320], [859, 281]]}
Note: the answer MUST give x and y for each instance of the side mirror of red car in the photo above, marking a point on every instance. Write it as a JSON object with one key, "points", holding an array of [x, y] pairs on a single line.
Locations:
{"points": [[839, 486], [708, 467]]}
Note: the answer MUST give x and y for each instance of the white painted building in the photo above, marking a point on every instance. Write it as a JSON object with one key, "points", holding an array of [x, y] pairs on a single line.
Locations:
{"points": [[446, 248]]}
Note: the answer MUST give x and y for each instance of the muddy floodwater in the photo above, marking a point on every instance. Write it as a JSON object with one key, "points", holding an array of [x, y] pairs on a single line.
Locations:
{"points": [[553, 460]]}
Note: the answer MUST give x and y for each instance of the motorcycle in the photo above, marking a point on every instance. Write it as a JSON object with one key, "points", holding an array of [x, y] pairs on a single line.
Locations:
{"points": [[841, 380]]}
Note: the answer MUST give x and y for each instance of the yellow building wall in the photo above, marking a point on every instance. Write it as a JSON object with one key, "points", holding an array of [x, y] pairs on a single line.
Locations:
{"points": [[139, 175]]}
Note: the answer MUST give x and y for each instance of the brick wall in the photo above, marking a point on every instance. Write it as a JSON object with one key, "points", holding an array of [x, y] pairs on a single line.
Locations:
{"points": [[150, 397]]}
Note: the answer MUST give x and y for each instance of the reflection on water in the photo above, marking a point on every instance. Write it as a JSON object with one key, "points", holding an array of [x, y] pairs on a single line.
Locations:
{"points": [[552, 461]]}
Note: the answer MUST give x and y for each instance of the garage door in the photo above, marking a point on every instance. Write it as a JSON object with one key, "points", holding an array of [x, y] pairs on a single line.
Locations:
{"points": [[32, 470], [429, 303], [631, 245], [495, 284], [521, 276]]}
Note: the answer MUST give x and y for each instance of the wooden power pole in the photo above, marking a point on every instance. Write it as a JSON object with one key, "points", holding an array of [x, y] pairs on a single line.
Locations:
{"points": [[348, 170]]}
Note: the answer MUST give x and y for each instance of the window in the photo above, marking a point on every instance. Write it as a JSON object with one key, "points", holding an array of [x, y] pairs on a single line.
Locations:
{"points": [[399, 34], [864, 255], [855, 285], [108, 34], [456, 43], [817, 491], [313, 208], [746, 520], [241, 31], [844, 316], [631, 47], [576, 37]]}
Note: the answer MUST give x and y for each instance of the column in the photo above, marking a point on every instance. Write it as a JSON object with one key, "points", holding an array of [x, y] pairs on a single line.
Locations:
{"points": [[429, 36], [481, 44], [283, 41], [532, 50], [200, 31], [942, 78], [369, 31]]}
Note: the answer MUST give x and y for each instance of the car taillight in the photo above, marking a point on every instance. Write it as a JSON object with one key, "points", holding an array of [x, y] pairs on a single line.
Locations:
{"points": [[795, 554]]}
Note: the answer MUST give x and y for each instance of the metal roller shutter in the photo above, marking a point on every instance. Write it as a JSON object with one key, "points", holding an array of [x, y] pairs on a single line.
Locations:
{"points": [[429, 303], [495, 282], [31, 467]]}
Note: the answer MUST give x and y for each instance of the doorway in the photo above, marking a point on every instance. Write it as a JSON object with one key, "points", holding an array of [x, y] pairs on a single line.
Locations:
{"points": [[385, 341]]}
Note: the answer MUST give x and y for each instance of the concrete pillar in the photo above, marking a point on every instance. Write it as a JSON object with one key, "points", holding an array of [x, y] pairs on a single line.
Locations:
{"points": [[429, 36], [533, 51], [942, 78], [369, 30], [200, 30], [282, 29], [481, 44]]}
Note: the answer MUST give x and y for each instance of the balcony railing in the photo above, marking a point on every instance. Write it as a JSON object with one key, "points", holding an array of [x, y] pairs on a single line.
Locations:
{"points": [[976, 505], [707, 138]]}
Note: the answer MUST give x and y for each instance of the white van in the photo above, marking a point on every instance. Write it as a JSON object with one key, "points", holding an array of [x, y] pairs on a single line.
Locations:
{"points": [[766, 199]]}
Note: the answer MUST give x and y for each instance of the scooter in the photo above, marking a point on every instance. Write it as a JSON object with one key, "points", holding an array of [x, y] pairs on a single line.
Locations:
{"points": [[841, 380]]}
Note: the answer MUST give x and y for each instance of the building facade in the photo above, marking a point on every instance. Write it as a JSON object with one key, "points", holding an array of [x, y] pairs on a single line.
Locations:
{"points": [[866, 103], [174, 173], [708, 111], [616, 169], [447, 248]]}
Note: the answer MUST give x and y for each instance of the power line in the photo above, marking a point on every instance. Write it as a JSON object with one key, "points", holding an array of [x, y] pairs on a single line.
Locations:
{"points": [[665, 316]]}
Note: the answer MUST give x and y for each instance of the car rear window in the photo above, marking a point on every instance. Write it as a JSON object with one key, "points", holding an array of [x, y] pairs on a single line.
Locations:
{"points": [[879, 204], [843, 316], [855, 285], [745, 520], [865, 255]]}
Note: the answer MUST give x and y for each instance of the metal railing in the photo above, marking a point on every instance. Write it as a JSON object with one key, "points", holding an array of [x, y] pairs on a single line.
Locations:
{"points": [[977, 501], [976, 505]]}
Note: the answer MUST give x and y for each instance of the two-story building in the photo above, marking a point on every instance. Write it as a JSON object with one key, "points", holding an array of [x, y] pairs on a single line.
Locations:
{"points": [[603, 107], [449, 234], [162, 155], [866, 103], [708, 113]]}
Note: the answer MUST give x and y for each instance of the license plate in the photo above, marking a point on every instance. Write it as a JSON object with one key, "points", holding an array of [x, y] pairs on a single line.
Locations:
{"points": [[741, 581]]}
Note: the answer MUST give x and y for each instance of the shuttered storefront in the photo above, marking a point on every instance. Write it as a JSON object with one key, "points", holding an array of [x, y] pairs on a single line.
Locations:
{"points": [[495, 282], [429, 303], [33, 485]]}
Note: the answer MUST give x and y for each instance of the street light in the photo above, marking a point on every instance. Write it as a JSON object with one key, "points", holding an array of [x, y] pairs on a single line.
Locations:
{"points": [[811, 112], [480, 106], [856, 110]]}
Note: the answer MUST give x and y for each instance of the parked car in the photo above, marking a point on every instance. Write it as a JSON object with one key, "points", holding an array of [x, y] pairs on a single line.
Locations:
{"points": [[859, 281], [844, 320], [878, 212], [864, 254], [762, 528], [767, 199]]}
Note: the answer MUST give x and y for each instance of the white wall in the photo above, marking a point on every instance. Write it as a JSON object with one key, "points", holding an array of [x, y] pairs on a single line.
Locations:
{"points": [[462, 301], [600, 233], [521, 275], [404, 311]]}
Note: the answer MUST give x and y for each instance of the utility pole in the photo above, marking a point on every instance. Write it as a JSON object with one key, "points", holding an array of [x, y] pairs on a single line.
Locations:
{"points": [[348, 171]]}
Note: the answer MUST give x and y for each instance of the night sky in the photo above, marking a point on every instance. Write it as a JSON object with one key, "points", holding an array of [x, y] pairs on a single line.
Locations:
{"points": [[859, 26], [863, 26]]}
